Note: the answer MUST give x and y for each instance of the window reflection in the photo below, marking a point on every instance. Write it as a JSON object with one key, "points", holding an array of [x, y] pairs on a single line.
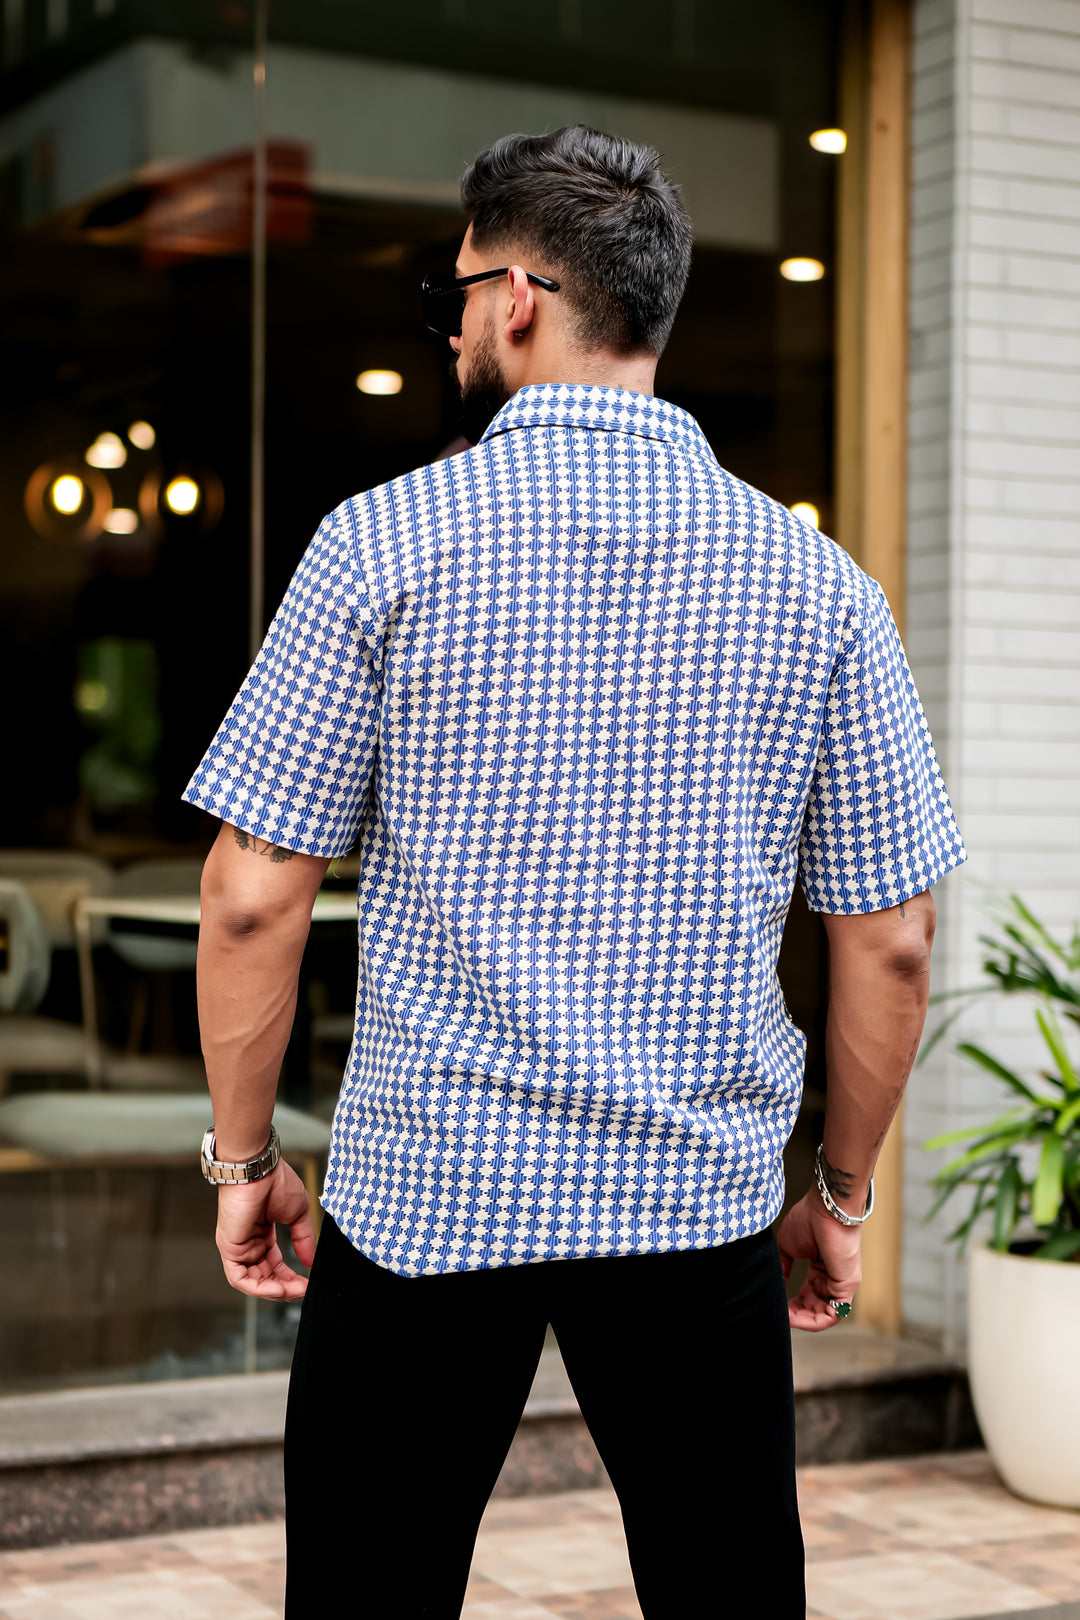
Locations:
{"points": [[125, 485]]}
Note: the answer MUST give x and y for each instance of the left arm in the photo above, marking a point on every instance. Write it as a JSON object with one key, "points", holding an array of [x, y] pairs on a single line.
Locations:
{"points": [[879, 980], [256, 913]]}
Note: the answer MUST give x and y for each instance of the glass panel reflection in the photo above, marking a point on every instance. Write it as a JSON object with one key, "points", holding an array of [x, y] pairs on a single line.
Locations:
{"points": [[128, 205]]}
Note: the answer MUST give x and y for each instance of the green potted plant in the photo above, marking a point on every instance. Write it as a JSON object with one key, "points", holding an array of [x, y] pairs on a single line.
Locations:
{"points": [[1023, 1174]]}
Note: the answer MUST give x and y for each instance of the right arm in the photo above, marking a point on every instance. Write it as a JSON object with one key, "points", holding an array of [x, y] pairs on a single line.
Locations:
{"points": [[256, 914]]}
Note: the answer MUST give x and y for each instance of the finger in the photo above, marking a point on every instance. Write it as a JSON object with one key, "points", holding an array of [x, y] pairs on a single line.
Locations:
{"points": [[255, 1256], [302, 1234], [254, 1260], [811, 1301], [832, 1286], [808, 1321], [283, 1284], [830, 1300]]}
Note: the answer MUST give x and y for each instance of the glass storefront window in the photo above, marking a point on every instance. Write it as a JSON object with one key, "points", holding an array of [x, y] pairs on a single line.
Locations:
{"points": [[126, 179]]}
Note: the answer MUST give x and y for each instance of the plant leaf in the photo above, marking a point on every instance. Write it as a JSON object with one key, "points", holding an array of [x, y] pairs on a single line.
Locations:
{"points": [[1006, 1204], [1004, 1123], [1049, 1182], [1068, 1116], [985, 1061], [954, 1185], [946, 1192], [991, 1145], [964, 1230], [946, 1024], [1055, 1040], [1041, 933], [1060, 1247]]}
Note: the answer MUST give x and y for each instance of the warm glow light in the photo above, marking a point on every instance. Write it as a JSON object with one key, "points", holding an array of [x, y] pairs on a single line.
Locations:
{"points": [[807, 511], [142, 435], [802, 269], [182, 496], [121, 520], [829, 140], [380, 382], [106, 451], [67, 493]]}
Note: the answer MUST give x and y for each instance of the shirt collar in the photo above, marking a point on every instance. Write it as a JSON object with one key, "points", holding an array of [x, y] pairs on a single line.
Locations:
{"points": [[615, 410]]}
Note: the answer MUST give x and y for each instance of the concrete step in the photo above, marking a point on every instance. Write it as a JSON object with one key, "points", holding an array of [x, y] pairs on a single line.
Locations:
{"points": [[139, 1459]]}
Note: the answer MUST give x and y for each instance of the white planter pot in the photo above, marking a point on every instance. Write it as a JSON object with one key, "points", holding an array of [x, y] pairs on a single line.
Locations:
{"points": [[1024, 1338]]}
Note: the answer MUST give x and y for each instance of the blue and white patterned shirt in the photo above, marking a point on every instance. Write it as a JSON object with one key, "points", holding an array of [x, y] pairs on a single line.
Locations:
{"points": [[592, 705]]}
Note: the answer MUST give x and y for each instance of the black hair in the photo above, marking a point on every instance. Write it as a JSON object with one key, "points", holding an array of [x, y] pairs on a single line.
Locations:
{"points": [[598, 214]]}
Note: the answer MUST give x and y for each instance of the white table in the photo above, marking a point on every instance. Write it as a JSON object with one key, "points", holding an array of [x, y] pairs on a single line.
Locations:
{"points": [[329, 907]]}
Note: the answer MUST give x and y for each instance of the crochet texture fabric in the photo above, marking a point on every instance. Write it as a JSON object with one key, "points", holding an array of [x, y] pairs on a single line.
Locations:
{"points": [[592, 706]]}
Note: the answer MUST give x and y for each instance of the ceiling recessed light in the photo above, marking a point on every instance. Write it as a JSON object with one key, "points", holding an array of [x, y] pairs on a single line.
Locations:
{"points": [[67, 494], [106, 451], [807, 511], [182, 496], [121, 520], [380, 382], [829, 140], [802, 269]]}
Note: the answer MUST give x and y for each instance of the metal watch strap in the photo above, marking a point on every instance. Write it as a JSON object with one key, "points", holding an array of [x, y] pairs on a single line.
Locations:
{"points": [[829, 1201], [223, 1173]]}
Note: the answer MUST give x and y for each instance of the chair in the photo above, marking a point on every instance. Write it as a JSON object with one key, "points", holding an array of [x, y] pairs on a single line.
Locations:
{"points": [[150, 950], [55, 880], [155, 953], [29, 1044], [56, 1130], [24, 952]]}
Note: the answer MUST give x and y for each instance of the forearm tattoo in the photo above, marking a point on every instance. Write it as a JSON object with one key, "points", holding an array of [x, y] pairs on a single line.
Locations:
{"points": [[259, 846], [899, 1092], [841, 1183]]}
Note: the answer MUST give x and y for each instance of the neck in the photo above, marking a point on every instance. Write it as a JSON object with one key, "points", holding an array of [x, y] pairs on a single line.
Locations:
{"points": [[600, 370]]}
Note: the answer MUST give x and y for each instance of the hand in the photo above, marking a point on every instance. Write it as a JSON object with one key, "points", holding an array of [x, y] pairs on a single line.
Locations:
{"points": [[809, 1232], [247, 1234]]}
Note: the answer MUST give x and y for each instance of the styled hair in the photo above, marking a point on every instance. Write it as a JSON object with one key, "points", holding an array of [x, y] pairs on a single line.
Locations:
{"points": [[598, 214]]}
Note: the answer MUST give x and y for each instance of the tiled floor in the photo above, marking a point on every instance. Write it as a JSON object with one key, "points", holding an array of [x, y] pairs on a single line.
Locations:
{"points": [[937, 1538]]}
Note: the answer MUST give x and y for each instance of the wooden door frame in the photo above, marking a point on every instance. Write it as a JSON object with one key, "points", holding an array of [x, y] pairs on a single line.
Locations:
{"points": [[870, 479]]}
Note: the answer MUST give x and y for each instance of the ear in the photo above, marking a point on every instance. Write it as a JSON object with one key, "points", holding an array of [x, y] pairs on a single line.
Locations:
{"points": [[520, 305]]}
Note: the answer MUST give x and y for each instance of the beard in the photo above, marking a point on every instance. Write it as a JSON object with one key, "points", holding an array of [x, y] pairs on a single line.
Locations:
{"points": [[484, 392]]}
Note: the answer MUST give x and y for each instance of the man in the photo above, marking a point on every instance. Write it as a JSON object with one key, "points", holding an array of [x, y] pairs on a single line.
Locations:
{"points": [[592, 706]]}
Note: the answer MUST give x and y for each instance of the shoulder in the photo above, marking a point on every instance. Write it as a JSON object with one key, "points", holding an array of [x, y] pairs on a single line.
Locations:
{"points": [[394, 532], [417, 498], [806, 555]]}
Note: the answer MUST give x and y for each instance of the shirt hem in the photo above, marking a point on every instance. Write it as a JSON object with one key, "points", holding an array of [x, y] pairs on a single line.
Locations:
{"points": [[905, 892], [377, 1257]]}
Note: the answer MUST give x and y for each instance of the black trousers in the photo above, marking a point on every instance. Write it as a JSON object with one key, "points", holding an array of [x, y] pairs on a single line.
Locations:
{"points": [[406, 1393]]}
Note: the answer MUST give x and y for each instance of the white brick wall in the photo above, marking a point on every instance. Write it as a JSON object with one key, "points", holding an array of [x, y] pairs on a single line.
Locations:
{"points": [[994, 514]]}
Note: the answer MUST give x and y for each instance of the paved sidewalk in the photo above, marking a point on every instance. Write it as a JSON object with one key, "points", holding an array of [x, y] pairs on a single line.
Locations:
{"points": [[936, 1538]]}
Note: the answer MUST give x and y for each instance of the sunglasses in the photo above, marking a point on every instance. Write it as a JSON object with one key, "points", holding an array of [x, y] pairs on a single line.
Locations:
{"points": [[442, 298]]}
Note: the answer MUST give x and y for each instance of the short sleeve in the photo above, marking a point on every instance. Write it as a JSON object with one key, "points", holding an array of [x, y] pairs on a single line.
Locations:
{"points": [[292, 759], [879, 827]]}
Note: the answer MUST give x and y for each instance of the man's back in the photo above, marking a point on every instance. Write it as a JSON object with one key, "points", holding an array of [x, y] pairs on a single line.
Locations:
{"points": [[620, 700], [593, 705]]}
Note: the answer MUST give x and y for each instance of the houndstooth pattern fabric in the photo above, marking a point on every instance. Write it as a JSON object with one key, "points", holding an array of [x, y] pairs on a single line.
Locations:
{"points": [[592, 705]]}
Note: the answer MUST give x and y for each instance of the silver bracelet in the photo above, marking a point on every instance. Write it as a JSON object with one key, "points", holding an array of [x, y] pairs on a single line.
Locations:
{"points": [[829, 1201]]}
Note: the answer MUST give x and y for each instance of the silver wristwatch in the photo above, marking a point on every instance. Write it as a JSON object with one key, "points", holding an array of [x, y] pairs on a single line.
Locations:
{"points": [[219, 1171], [829, 1201]]}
